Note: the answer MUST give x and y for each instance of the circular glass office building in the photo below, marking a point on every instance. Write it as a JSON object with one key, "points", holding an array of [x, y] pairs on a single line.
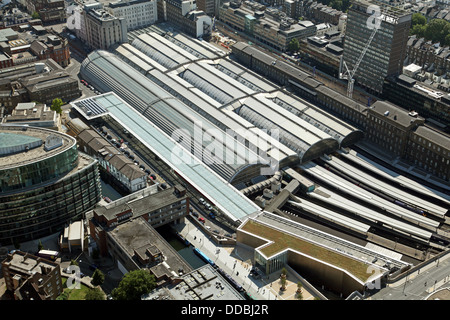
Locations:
{"points": [[44, 183]]}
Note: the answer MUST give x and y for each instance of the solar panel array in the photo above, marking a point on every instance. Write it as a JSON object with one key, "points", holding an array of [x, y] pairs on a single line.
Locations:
{"points": [[90, 107]]}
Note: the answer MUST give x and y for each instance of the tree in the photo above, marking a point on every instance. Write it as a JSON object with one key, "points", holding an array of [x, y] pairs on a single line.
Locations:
{"points": [[435, 30], [40, 246], [418, 30], [418, 19], [133, 285], [283, 283], [94, 294], [35, 15], [56, 105], [293, 45], [98, 278]]}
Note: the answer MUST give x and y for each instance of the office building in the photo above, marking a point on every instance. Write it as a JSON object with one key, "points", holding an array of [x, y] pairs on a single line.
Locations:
{"points": [[29, 277], [44, 183], [103, 29], [386, 51], [186, 16], [137, 13], [268, 26]]}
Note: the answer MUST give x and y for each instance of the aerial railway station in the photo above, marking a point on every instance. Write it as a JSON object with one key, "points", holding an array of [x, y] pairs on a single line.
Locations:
{"points": [[160, 89]]}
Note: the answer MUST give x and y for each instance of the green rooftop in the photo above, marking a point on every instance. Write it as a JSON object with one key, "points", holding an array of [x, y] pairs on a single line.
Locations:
{"points": [[283, 241]]}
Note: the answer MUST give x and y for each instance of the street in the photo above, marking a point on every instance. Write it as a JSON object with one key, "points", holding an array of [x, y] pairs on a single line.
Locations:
{"points": [[419, 284]]}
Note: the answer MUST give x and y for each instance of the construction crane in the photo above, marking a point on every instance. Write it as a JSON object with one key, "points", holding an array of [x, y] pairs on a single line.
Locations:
{"points": [[349, 74]]}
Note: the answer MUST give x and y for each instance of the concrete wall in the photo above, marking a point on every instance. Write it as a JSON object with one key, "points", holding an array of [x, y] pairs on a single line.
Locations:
{"points": [[315, 271], [322, 274]]}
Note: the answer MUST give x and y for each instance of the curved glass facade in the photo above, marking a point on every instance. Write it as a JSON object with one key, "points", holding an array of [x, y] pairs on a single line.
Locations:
{"points": [[46, 209], [39, 171]]}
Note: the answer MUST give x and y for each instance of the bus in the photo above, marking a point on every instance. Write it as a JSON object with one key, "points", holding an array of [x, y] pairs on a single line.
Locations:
{"points": [[48, 254]]}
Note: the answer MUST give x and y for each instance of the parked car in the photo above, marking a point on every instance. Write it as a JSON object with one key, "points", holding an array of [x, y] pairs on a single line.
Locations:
{"points": [[212, 215], [208, 206], [202, 201], [195, 214], [201, 219]]}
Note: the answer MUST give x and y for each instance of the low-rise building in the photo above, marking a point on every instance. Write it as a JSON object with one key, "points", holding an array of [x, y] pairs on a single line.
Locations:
{"points": [[33, 114], [30, 277], [269, 27], [55, 84], [124, 229], [73, 237], [389, 126], [48, 10], [204, 283], [53, 47], [114, 164]]}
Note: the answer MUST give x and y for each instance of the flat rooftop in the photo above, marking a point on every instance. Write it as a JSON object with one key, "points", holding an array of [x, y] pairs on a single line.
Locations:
{"points": [[137, 234], [204, 283], [141, 205], [26, 263], [34, 154]]}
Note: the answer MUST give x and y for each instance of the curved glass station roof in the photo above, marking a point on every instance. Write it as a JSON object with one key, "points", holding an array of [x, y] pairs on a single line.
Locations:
{"points": [[175, 82], [170, 114], [227, 198]]}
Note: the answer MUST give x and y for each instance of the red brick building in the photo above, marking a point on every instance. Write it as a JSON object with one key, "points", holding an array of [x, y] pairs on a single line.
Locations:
{"points": [[53, 47]]}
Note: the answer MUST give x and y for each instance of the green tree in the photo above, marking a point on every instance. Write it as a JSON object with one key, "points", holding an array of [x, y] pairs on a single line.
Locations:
{"points": [[63, 296], [133, 285], [56, 105], [94, 294], [418, 30], [418, 19], [293, 45], [98, 278], [35, 15], [73, 263], [435, 30], [40, 246]]}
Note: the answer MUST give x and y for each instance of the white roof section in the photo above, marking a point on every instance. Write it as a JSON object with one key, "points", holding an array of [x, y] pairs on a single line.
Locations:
{"points": [[382, 186], [162, 50], [371, 215], [394, 176], [348, 187]]}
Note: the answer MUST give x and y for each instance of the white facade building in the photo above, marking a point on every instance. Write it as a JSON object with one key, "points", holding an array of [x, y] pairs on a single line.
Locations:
{"points": [[137, 13]]}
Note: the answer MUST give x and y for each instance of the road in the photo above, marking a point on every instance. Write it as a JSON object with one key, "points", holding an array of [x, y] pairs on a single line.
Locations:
{"points": [[420, 284]]}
